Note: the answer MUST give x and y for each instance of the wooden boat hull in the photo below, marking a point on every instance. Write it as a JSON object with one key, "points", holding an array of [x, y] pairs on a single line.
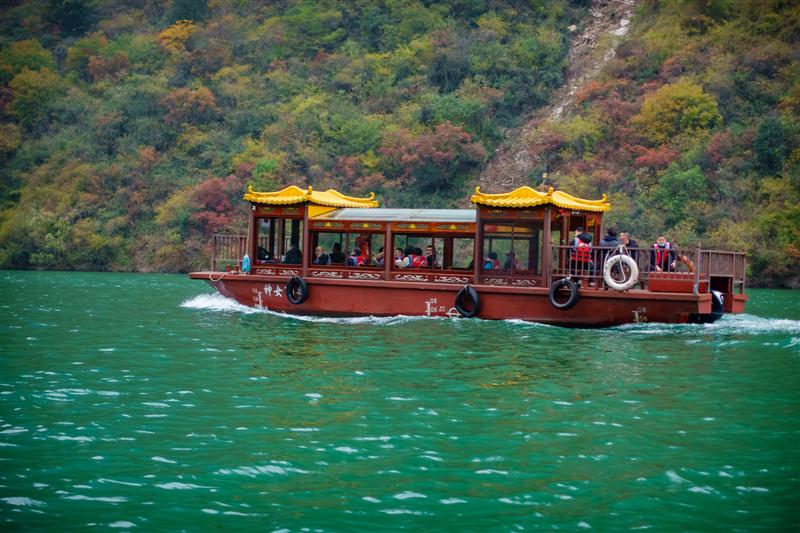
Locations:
{"points": [[334, 297]]}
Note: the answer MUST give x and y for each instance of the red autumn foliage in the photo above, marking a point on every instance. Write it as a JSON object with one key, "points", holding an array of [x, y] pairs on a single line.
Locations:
{"points": [[214, 199], [433, 158], [189, 106], [592, 90], [654, 157], [111, 67], [719, 147]]}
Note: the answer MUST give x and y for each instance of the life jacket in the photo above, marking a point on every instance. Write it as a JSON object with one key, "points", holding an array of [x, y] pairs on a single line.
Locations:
{"points": [[662, 254], [583, 252], [492, 264], [418, 261], [355, 261]]}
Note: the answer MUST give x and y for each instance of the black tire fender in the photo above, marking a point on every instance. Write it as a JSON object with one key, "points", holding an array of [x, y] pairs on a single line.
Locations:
{"points": [[573, 294], [468, 292], [297, 290]]}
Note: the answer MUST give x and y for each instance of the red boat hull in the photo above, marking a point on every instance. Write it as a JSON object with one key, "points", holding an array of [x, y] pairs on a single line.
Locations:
{"points": [[329, 297]]}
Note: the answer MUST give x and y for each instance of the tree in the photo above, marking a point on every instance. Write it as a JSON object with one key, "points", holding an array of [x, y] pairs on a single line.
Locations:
{"points": [[24, 54], [681, 108], [34, 92], [770, 145]]}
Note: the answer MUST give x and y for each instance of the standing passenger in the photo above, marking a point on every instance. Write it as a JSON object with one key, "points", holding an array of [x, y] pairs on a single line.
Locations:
{"points": [[662, 258]]}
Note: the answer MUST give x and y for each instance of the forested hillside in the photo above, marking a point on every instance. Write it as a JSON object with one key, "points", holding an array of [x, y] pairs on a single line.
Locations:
{"points": [[692, 128], [129, 130]]}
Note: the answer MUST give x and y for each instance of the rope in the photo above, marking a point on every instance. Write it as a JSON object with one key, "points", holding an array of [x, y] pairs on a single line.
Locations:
{"points": [[211, 276]]}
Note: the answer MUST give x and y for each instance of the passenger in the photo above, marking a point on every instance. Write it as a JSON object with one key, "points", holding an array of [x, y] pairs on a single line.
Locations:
{"points": [[430, 257], [414, 258], [491, 262], [264, 254], [581, 262], [355, 259], [630, 244], [294, 256], [362, 243], [512, 263], [380, 260], [398, 257], [662, 257], [609, 240], [575, 240], [320, 257], [337, 257]]}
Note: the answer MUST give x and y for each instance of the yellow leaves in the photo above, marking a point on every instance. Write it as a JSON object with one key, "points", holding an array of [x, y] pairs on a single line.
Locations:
{"points": [[10, 138], [174, 38], [680, 108], [492, 26]]}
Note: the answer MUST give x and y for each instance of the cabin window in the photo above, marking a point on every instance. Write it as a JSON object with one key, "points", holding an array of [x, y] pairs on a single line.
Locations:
{"points": [[340, 245], [275, 237], [512, 247], [447, 252], [463, 254]]}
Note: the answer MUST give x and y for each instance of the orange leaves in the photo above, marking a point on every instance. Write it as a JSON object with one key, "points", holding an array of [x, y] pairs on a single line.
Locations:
{"points": [[189, 106]]}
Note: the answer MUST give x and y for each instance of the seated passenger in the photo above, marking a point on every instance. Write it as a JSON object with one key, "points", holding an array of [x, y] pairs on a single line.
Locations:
{"points": [[337, 256], [320, 257], [512, 263], [398, 257], [662, 257], [355, 259], [430, 257], [414, 258], [264, 254], [491, 263], [294, 256], [380, 260]]}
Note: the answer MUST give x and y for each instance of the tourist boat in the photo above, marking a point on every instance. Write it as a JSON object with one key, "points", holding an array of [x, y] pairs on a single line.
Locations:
{"points": [[508, 258]]}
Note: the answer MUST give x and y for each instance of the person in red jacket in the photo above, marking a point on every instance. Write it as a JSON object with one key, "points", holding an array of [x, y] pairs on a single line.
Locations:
{"points": [[581, 262]]}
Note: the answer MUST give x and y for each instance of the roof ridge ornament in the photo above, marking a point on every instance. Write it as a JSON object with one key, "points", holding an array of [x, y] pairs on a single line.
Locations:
{"points": [[525, 197], [293, 195]]}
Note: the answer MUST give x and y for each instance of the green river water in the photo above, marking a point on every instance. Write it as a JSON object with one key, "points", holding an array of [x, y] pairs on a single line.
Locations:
{"points": [[147, 402]]}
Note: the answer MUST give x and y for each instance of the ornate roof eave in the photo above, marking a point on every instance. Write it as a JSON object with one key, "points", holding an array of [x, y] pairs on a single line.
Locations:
{"points": [[292, 195], [527, 197]]}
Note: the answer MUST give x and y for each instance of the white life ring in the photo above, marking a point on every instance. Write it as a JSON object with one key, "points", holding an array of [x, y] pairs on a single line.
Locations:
{"points": [[632, 266]]}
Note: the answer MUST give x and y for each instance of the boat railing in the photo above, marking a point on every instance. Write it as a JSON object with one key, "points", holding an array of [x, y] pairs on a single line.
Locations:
{"points": [[227, 251], [676, 269]]}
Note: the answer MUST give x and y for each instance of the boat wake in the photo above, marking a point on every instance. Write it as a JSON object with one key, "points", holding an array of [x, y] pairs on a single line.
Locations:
{"points": [[743, 324], [217, 302], [727, 325]]}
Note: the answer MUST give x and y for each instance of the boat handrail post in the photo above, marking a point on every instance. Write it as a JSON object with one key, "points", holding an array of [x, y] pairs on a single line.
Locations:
{"points": [[388, 251], [698, 258], [213, 253], [547, 249], [251, 236], [478, 246], [307, 255]]}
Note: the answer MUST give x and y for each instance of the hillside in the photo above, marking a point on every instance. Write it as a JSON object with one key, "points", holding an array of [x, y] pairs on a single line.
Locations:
{"points": [[687, 116], [128, 131]]}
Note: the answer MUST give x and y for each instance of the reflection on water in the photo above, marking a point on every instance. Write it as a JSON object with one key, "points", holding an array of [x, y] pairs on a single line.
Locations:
{"points": [[142, 401]]}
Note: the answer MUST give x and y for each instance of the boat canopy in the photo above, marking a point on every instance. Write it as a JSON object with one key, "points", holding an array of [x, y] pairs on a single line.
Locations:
{"points": [[293, 195], [527, 197], [401, 215]]}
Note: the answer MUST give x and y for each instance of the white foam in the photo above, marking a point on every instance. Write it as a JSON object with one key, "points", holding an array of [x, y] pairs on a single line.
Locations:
{"points": [[217, 302]]}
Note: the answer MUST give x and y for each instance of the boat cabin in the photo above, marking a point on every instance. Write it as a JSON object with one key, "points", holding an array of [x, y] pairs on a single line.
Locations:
{"points": [[507, 239]]}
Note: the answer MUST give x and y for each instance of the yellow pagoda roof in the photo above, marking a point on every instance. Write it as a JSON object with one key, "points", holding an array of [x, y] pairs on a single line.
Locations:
{"points": [[527, 197], [295, 195]]}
